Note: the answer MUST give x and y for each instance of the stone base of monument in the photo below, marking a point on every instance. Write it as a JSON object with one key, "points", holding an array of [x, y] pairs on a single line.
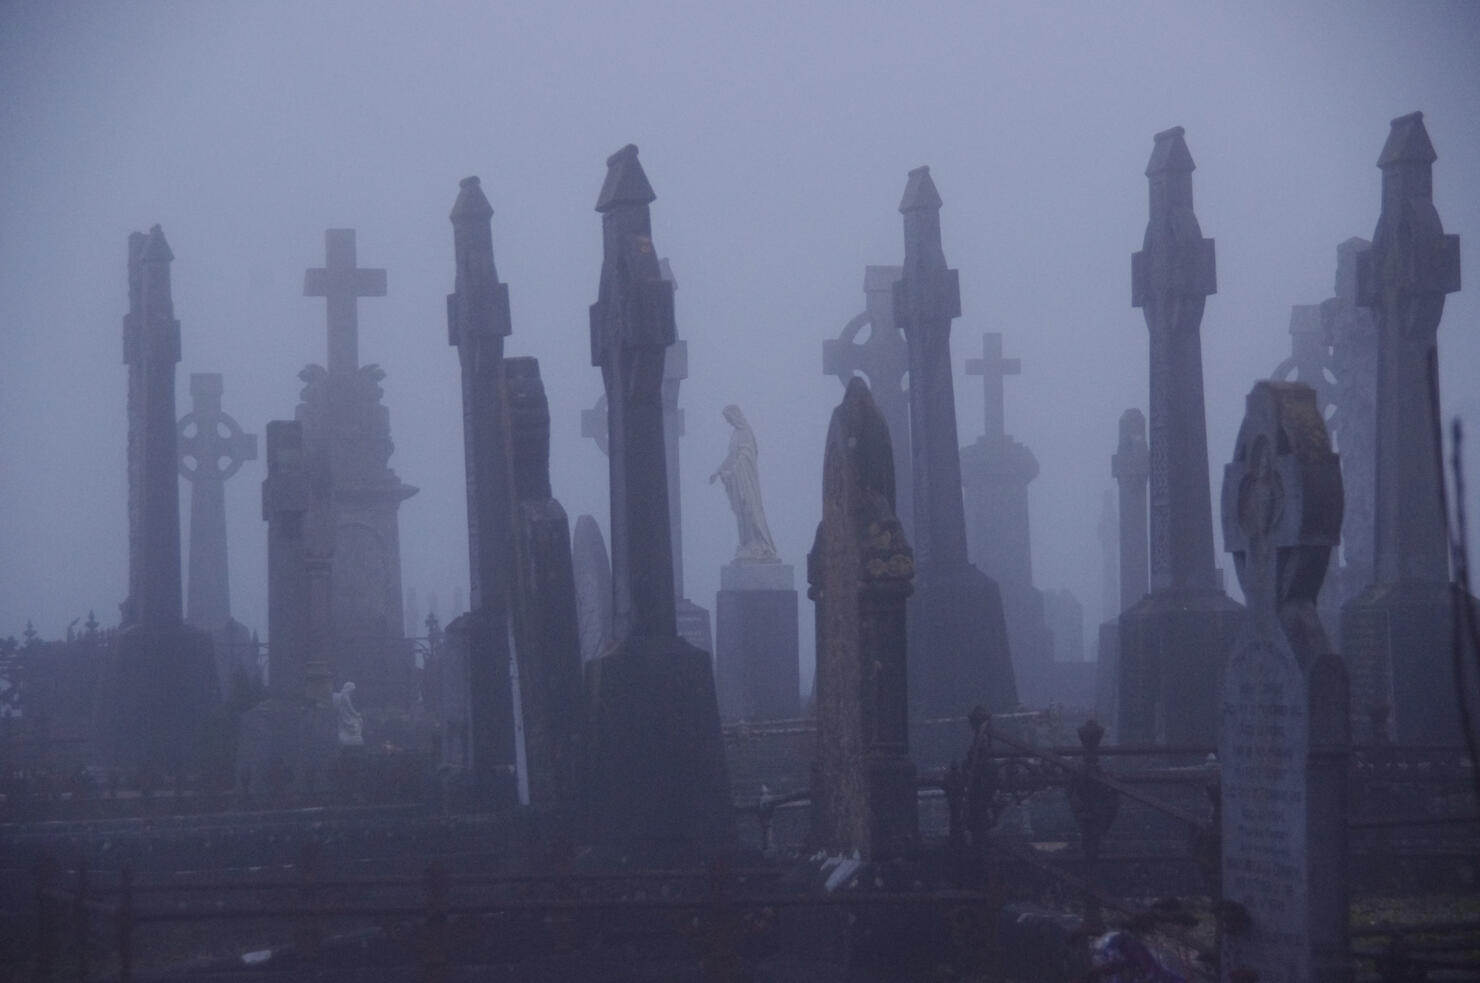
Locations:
{"points": [[958, 649], [657, 786], [756, 659], [160, 690], [1030, 642], [1398, 644], [285, 749], [1173, 647], [693, 625]]}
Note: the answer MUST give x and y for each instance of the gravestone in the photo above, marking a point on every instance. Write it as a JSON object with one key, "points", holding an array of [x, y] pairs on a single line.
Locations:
{"points": [[996, 471], [693, 620], [292, 733], [1130, 466], [859, 572], [593, 578], [957, 631], [212, 449], [1396, 635], [161, 683], [871, 346], [478, 640], [1352, 331], [547, 641], [347, 427], [656, 780], [1108, 530], [1175, 640], [1285, 743], [756, 660]]}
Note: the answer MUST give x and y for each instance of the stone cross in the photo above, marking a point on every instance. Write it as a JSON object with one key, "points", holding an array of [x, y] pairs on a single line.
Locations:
{"points": [[860, 571], [212, 449], [1171, 279], [342, 282], [477, 323], [1403, 278], [883, 360], [1130, 466], [1310, 354], [1353, 335], [994, 369], [632, 326], [1285, 739]]}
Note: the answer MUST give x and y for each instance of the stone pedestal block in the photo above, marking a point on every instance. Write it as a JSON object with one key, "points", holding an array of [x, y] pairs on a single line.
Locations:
{"points": [[657, 782], [756, 664], [162, 688], [1173, 646], [1398, 644]]}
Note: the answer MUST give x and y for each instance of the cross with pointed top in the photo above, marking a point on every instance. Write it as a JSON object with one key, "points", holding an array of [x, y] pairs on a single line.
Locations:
{"points": [[994, 370], [342, 282]]}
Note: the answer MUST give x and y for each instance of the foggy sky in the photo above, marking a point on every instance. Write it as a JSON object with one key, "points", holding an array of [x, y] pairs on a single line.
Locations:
{"points": [[777, 137]]}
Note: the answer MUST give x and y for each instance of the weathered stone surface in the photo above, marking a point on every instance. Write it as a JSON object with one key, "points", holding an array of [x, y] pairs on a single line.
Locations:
{"points": [[547, 641], [161, 683], [995, 472], [958, 631], [1131, 468], [859, 572], [1285, 740], [212, 449], [656, 781], [347, 428], [593, 580], [1175, 640], [477, 323], [882, 359], [1395, 634]]}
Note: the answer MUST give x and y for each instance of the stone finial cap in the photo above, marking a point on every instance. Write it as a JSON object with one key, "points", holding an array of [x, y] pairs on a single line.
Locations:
{"points": [[919, 192], [1170, 153], [625, 184], [156, 249], [1132, 425], [1407, 142], [471, 205]]}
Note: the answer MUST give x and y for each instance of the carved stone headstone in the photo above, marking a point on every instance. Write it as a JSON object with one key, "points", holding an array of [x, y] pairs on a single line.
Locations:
{"points": [[593, 578], [547, 641], [958, 632], [1175, 640], [882, 359], [657, 781], [1285, 740], [1396, 635], [347, 427], [212, 449], [996, 471], [859, 571], [161, 682], [477, 323]]}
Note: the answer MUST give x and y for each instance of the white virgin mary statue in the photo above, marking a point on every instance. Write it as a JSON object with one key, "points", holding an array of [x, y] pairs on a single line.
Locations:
{"points": [[743, 485]]}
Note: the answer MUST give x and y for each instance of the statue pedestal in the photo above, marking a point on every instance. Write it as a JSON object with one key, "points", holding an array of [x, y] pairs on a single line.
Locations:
{"points": [[756, 659], [657, 784]]}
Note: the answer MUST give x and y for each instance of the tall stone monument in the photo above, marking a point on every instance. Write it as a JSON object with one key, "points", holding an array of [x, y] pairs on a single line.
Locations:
{"points": [[958, 634], [996, 471], [657, 778], [547, 639], [212, 449], [693, 620], [859, 573], [1352, 332], [1285, 742], [1130, 465], [348, 428], [162, 683], [1175, 640], [479, 731], [756, 659], [593, 577], [882, 359], [1396, 635]]}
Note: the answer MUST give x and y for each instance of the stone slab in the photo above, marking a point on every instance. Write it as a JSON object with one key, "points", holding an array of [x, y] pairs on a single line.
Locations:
{"points": [[756, 659]]}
